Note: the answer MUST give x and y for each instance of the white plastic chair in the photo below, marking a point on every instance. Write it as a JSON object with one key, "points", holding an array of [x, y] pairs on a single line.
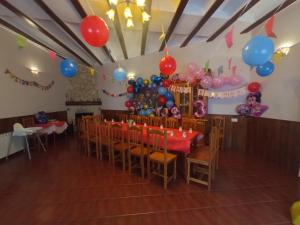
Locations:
{"points": [[20, 131]]}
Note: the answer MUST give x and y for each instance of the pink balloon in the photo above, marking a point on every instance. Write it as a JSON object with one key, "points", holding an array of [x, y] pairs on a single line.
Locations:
{"points": [[235, 80], [182, 76], [190, 78], [199, 74], [226, 79], [206, 82], [192, 67], [217, 82]]}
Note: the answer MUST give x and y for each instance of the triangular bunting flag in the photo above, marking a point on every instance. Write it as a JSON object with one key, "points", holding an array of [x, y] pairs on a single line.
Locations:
{"points": [[229, 38], [269, 27], [206, 66]]}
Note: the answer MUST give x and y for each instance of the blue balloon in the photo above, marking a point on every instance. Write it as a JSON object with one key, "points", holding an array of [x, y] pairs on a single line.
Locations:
{"points": [[120, 74], [148, 112], [137, 88], [68, 68], [162, 90], [258, 51], [157, 80], [170, 104], [152, 78], [169, 96], [140, 81], [265, 70]]}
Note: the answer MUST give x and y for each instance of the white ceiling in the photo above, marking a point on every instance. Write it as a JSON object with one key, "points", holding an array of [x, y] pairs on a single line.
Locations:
{"points": [[162, 12]]}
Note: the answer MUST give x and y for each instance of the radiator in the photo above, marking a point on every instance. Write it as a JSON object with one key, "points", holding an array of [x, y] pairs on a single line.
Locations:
{"points": [[17, 144]]}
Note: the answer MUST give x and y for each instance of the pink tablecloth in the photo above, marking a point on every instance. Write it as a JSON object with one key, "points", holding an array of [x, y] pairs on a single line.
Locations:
{"points": [[176, 142], [53, 127]]}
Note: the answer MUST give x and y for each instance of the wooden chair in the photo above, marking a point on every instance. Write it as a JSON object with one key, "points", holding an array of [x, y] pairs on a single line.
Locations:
{"points": [[219, 122], [104, 139], [172, 123], [29, 122], [122, 117], [204, 159], [81, 135], [98, 118], [159, 156], [136, 149], [92, 137], [118, 145], [156, 121], [138, 119], [146, 119]]}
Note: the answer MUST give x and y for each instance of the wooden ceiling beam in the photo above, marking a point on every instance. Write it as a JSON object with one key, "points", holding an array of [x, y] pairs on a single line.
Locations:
{"points": [[34, 24], [83, 14], [203, 20], [174, 22], [119, 30], [268, 15], [229, 22], [27, 36], [146, 27], [65, 27]]}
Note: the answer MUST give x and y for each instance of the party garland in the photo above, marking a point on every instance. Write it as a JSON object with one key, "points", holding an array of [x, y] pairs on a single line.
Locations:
{"points": [[29, 83], [223, 94], [113, 95]]}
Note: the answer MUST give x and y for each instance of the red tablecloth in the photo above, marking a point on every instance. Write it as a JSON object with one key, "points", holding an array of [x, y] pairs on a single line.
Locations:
{"points": [[176, 142]]}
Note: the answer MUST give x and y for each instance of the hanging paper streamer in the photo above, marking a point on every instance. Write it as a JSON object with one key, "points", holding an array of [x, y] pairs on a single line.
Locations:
{"points": [[179, 89], [29, 83], [269, 27], [220, 70], [206, 66], [229, 63], [52, 55], [21, 41], [113, 95], [229, 38], [223, 94]]}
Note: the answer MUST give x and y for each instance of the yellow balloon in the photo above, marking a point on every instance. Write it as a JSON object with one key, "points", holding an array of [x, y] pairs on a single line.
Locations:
{"points": [[277, 57], [145, 106], [146, 82]]}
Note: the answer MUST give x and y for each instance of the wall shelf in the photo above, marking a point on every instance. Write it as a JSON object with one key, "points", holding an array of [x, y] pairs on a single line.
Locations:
{"points": [[84, 103]]}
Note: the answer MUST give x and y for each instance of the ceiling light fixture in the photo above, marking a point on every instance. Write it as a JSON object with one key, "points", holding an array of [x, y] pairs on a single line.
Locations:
{"points": [[127, 11]]}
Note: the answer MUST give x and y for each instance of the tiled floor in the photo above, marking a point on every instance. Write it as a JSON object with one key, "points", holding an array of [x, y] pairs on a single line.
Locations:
{"points": [[63, 187]]}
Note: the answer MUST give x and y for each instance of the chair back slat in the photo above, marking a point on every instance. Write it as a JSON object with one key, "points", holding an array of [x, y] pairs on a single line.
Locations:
{"points": [[157, 141], [117, 133], [172, 123]]}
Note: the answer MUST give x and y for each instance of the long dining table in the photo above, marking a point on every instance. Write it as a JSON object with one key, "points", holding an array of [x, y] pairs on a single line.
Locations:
{"points": [[177, 140]]}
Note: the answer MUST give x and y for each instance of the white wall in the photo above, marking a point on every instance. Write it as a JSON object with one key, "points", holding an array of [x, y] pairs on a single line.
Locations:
{"points": [[281, 90], [18, 100], [145, 66]]}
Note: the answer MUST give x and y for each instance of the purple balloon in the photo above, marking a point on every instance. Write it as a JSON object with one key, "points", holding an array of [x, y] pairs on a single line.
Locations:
{"points": [[192, 67], [206, 82], [217, 82]]}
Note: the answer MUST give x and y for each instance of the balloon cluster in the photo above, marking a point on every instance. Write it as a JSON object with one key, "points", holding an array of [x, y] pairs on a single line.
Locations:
{"points": [[68, 68], [207, 79], [258, 53], [149, 97], [253, 107]]}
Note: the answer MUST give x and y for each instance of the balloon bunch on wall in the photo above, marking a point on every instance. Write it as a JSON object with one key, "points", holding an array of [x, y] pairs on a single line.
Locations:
{"points": [[207, 79], [258, 53], [253, 107]]}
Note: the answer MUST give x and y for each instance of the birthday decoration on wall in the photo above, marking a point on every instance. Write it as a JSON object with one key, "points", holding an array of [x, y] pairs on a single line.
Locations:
{"points": [[21, 41], [253, 107], [201, 108], [28, 83], [52, 55], [223, 94], [229, 38], [112, 94]]}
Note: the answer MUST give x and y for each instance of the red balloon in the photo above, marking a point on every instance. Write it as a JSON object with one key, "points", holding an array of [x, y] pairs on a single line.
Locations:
{"points": [[128, 103], [94, 31], [167, 83], [254, 87], [130, 89], [167, 65], [162, 100]]}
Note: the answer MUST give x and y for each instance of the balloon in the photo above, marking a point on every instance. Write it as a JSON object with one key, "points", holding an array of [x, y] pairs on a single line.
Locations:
{"points": [[140, 81], [258, 51], [162, 90], [201, 109], [68, 68], [199, 74], [148, 94], [217, 82], [167, 83], [146, 82], [145, 106], [243, 109], [152, 78], [130, 89], [162, 100], [167, 65], [235, 80], [131, 82], [163, 77], [137, 89], [206, 82], [226, 79], [149, 111], [190, 78], [157, 80], [94, 31], [254, 87], [120, 74], [128, 103], [170, 103], [169, 96], [182, 76], [265, 70], [192, 67]]}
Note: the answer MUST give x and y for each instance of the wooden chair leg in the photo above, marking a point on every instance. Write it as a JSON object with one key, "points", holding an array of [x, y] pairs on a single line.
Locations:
{"points": [[165, 176], [123, 160], [89, 149], [97, 150], [142, 166], [148, 168], [209, 177], [113, 156], [175, 170], [188, 171], [100, 151], [129, 162]]}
